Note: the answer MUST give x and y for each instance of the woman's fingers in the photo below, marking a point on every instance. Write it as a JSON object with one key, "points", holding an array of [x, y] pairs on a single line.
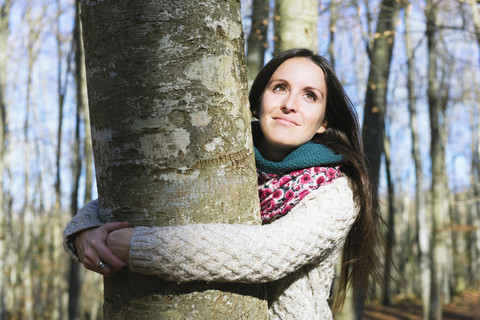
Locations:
{"points": [[100, 248], [93, 252], [112, 226], [118, 242]]}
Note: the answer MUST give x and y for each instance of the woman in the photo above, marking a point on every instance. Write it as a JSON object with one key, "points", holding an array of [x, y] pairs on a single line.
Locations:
{"points": [[315, 195]]}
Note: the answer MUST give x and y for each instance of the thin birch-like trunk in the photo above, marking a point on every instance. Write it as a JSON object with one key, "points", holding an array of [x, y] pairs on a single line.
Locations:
{"points": [[390, 234], [376, 95], [420, 201], [295, 23], [4, 31], [55, 298], [475, 183], [439, 201], [257, 39], [75, 274], [332, 24], [476, 20], [167, 90]]}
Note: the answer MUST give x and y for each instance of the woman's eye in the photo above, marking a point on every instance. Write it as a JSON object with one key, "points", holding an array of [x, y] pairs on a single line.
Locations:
{"points": [[279, 88], [311, 96]]}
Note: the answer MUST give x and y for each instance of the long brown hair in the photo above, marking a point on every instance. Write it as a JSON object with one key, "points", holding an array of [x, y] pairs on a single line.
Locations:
{"points": [[360, 263]]}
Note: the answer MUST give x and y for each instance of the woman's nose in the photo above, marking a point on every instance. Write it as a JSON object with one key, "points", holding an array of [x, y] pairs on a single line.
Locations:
{"points": [[288, 104]]}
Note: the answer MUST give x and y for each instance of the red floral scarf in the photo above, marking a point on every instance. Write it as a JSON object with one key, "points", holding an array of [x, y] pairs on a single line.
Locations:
{"points": [[280, 193]]}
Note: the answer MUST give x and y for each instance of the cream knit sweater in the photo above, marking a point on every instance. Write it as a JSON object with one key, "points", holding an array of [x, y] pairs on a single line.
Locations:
{"points": [[295, 254]]}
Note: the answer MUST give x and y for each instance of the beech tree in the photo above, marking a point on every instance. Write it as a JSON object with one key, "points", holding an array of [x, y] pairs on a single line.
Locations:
{"points": [[171, 139], [420, 199], [257, 39], [295, 24], [4, 23], [437, 102]]}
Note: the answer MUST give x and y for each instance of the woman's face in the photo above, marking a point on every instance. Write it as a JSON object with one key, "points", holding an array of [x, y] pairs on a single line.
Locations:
{"points": [[292, 108]]}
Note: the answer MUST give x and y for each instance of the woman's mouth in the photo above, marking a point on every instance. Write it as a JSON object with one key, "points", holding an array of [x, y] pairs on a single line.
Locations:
{"points": [[285, 121]]}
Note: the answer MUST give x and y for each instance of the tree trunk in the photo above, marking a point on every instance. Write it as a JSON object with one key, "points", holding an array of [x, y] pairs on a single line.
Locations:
{"points": [[61, 99], [476, 160], [296, 25], [420, 201], [390, 235], [54, 304], [75, 280], [439, 201], [4, 31], [333, 29], [474, 244], [376, 96], [257, 40], [172, 140], [476, 20], [74, 275]]}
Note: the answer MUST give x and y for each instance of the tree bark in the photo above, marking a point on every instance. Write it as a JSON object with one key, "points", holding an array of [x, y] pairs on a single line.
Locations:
{"points": [[172, 139], [423, 226], [333, 28], [476, 20], [439, 190], [390, 235], [295, 24], [75, 274], [376, 96], [257, 39], [4, 31]]}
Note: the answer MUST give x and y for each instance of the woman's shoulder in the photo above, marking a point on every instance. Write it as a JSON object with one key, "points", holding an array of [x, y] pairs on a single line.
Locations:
{"points": [[336, 197], [341, 186]]}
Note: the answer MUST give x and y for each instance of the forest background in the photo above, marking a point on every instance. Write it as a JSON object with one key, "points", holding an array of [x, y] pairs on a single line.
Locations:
{"points": [[46, 170]]}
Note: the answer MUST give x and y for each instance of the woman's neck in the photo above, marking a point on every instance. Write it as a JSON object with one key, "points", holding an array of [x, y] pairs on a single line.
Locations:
{"points": [[272, 153]]}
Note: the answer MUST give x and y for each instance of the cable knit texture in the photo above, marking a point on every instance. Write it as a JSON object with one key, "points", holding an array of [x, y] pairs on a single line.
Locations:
{"points": [[295, 254]]}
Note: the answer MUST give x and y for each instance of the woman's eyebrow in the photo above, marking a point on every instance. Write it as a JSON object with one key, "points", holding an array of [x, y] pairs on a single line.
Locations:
{"points": [[315, 89]]}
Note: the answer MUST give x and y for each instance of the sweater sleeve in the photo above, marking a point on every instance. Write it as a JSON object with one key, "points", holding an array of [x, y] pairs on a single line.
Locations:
{"points": [[313, 229], [86, 218]]}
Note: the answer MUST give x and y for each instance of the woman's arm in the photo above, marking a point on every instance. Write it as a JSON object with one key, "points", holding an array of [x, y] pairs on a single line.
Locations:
{"points": [[86, 218], [244, 253]]}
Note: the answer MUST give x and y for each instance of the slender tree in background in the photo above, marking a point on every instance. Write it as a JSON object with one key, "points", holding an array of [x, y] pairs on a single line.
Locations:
{"points": [[55, 305], [476, 20], [257, 39], [25, 276], [390, 220], [376, 96], [476, 152], [75, 274], [474, 216], [295, 23], [4, 31], [171, 138], [439, 191], [332, 28], [423, 227], [61, 91]]}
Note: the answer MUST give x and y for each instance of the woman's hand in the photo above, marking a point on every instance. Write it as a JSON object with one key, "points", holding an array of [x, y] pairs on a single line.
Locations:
{"points": [[119, 242], [93, 252]]}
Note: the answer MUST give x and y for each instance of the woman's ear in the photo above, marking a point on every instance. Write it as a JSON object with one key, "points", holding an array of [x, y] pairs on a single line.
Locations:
{"points": [[254, 112], [322, 128]]}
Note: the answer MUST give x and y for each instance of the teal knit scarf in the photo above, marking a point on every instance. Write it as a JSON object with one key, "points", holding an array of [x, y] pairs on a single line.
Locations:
{"points": [[308, 155]]}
